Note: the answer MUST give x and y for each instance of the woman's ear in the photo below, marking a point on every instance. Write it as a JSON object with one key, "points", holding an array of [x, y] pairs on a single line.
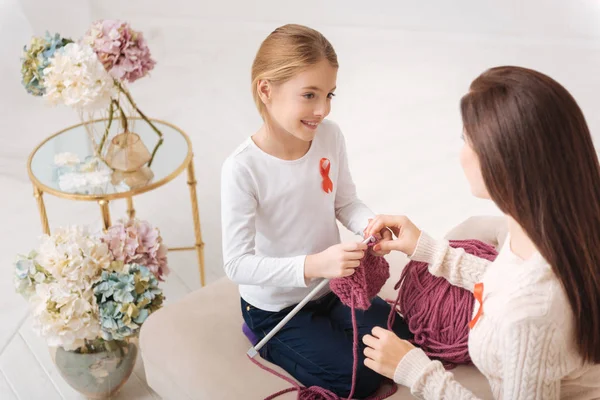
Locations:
{"points": [[264, 90]]}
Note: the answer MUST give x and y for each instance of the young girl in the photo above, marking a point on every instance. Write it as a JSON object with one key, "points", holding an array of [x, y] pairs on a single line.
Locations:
{"points": [[282, 191], [536, 333]]}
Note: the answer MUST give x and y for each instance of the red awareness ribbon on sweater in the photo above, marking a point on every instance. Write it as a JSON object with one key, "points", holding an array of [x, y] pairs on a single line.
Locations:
{"points": [[325, 166], [478, 294]]}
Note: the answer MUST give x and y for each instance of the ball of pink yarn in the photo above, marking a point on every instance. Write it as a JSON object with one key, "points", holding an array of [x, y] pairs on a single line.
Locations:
{"points": [[437, 312]]}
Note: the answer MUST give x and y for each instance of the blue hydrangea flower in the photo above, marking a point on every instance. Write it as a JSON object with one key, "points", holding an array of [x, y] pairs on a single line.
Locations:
{"points": [[36, 58], [125, 300]]}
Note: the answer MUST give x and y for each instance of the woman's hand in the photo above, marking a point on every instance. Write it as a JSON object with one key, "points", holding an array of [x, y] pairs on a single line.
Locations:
{"points": [[384, 351], [407, 234], [385, 235]]}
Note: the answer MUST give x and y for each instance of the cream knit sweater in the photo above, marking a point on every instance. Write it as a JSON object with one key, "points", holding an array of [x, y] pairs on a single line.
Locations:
{"points": [[524, 342]]}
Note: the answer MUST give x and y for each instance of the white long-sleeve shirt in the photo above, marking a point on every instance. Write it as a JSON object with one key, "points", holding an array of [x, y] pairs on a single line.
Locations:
{"points": [[275, 212], [524, 342]]}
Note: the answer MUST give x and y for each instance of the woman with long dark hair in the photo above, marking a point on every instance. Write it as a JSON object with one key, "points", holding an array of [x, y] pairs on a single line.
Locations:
{"points": [[536, 327]]}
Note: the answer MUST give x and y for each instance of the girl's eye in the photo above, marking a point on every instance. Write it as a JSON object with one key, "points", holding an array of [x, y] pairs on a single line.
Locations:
{"points": [[309, 96], [331, 95]]}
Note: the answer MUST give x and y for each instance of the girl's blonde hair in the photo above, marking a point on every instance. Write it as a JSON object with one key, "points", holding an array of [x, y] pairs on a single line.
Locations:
{"points": [[288, 50]]}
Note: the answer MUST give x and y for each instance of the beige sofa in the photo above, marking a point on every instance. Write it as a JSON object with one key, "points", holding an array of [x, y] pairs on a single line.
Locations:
{"points": [[195, 349]]}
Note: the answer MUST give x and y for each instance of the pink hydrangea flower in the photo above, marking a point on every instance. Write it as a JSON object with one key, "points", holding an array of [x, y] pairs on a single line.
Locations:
{"points": [[123, 51], [138, 242]]}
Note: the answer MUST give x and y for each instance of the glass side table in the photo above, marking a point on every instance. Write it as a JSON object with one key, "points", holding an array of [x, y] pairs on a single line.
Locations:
{"points": [[64, 165]]}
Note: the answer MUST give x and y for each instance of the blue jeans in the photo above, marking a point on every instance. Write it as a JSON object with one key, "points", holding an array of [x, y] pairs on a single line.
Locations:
{"points": [[315, 346]]}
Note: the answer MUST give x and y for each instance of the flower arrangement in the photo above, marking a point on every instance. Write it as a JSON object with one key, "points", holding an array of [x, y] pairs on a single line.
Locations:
{"points": [[91, 75], [86, 290]]}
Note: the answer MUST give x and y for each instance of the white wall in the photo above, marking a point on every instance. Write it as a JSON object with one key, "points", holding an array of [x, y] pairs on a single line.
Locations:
{"points": [[404, 67]]}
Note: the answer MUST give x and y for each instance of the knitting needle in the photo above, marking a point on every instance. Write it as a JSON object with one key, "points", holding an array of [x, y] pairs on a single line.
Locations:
{"points": [[254, 350]]}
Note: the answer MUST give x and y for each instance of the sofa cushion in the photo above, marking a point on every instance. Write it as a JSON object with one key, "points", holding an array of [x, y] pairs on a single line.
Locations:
{"points": [[194, 349]]}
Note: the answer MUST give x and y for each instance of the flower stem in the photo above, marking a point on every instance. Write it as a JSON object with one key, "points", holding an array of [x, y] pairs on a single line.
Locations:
{"points": [[160, 142], [123, 116], [110, 119], [144, 117]]}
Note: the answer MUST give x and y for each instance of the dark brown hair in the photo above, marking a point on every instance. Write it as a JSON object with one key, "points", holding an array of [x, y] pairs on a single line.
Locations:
{"points": [[540, 167]]}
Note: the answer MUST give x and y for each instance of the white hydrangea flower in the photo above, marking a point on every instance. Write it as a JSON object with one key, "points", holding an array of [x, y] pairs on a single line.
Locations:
{"points": [[64, 316], [76, 77], [64, 308], [73, 255]]}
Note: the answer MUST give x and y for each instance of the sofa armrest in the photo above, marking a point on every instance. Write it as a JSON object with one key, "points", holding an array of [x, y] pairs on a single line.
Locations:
{"points": [[489, 229]]}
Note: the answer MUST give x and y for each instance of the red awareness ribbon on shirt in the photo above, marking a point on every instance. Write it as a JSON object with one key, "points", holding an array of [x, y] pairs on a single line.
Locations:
{"points": [[325, 166], [478, 294]]}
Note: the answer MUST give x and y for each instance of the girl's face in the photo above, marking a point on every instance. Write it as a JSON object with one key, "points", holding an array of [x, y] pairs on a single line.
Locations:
{"points": [[300, 104]]}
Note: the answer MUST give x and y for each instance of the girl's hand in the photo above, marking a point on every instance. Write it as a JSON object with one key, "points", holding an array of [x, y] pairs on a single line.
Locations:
{"points": [[384, 351], [335, 262], [407, 234]]}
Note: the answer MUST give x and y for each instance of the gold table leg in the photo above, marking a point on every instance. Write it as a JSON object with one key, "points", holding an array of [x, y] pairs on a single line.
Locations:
{"points": [[130, 209], [105, 214], [39, 196], [196, 215]]}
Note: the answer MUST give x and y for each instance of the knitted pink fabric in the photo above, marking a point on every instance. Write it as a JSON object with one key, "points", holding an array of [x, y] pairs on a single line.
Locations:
{"points": [[438, 313], [358, 289]]}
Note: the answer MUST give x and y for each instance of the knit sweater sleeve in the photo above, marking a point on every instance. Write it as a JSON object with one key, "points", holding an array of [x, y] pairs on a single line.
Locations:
{"points": [[456, 265], [532, 367], [428, 379]]}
